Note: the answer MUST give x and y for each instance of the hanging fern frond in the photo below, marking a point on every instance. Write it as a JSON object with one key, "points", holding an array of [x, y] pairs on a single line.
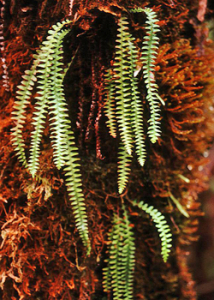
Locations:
{"points": [[19, 113], [48, 70], [65, 152], [58, 111], [136, 105], [149, 53], [122, 85], [49, 47], [161, 225], [128, 257], [74, 187], [23, 97], [124, 163], [118, 275], [110, 104]]}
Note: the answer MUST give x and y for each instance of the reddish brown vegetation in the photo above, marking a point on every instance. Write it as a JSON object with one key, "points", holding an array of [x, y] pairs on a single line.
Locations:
{"points": [[41, 255]]}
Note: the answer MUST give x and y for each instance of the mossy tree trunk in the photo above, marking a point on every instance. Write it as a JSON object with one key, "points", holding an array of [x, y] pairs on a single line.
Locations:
{"points": [[41, 252]]}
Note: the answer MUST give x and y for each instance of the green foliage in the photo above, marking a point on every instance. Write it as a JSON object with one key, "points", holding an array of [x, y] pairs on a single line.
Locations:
{"points": [[47, 69], [149, 53], [118, 275], [162, 227], [123, 95], [122, 84], [110, 104], [124, 111], [123, 168]]}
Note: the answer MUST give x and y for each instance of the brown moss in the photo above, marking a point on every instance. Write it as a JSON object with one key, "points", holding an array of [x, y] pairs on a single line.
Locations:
{"points": [[41, 255]]}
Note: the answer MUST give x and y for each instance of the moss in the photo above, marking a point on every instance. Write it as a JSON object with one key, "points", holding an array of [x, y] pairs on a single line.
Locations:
{"points": [[42, 256]]}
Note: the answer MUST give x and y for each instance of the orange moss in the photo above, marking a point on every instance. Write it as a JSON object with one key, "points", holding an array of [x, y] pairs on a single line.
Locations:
{"points": [[41, 255]]}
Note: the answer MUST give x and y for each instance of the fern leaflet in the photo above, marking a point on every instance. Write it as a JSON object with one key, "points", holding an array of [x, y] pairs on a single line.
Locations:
{"points": [[162, 227]]}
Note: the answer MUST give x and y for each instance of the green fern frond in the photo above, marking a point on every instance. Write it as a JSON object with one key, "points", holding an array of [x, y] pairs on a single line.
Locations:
{"points": [[162, 227], [122, 85], [128, 257], [118, 275], [19, 113], [137, 10], [149, 53], [136, 106], [124, 162], [45, 77], [74, 186], [110, 104], [23, 97], [57, 103], [48, 71]]}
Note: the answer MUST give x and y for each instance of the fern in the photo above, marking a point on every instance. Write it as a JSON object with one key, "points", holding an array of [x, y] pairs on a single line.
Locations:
{"points": [[48, 69], [123, 168], [110, 104], [122, 86], [162, 227], [149, 53], [123, 94], [136, 105], [129, 257], [19, 113], [118, 275]]}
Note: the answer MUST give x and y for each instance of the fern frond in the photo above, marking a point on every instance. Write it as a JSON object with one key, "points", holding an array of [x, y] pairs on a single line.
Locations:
{"points": [[128, 257], [118, 275], [44, 76], [47, 68], [65, 151], [136, 106], [19, 113], [110, 104], [74, 186], [162, 227], [23, 96], [124, 161], [107, 276], [122, 86], [137, 10], [149, 53], [57, 103], [115, 258]]}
